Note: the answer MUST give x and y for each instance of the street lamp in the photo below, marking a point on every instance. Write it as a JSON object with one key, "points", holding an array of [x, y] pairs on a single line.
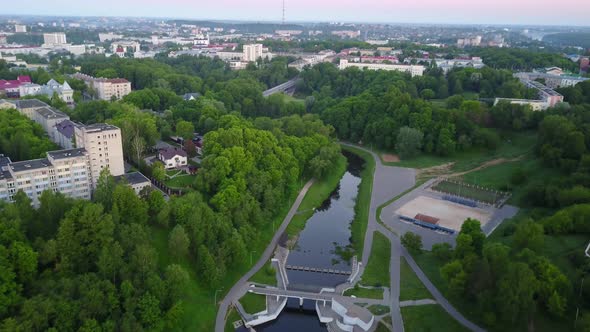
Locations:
{"points": [[215, 296]]}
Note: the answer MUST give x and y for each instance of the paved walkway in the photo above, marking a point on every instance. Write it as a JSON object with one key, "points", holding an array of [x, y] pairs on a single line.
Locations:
{"points": [[412, 303], [236, 291]]}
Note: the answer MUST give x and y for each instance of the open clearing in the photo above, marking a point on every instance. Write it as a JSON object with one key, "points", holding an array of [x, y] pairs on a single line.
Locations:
{"points": [[390, 158], [451, 215]]}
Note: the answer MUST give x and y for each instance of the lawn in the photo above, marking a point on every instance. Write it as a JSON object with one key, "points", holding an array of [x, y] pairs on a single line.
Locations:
{"points": [[266, 275], [181, 181], [318, 193], [253, 303], [289, 99], [411, 288], [377, 270], [469, 191], [512, 146], [382, 328], [363, 199], [378, 310], [367, 293], [200, 301], [230, 319], [430, 317]]}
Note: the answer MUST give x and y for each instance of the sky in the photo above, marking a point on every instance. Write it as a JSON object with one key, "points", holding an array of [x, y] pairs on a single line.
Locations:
{"points": [[544, 12]]}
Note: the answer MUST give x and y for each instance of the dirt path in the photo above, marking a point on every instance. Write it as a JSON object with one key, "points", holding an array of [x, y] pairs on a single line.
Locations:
{"points": [[445, 169]]}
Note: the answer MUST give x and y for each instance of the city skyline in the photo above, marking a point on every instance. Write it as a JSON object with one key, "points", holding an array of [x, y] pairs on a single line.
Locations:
{"points": [[572, 12]]}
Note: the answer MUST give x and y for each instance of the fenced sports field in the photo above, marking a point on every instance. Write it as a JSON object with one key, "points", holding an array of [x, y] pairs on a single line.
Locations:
{"points": [[469, 191]]}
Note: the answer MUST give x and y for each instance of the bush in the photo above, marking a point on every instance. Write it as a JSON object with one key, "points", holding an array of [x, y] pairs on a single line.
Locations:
{"points": [[518, 177], [412, 242]]}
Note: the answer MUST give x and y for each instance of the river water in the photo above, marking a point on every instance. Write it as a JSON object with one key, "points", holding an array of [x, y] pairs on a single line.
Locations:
{"points": [[320, 244]]}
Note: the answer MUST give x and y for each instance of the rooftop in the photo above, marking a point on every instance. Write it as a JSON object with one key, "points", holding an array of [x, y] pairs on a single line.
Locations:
{"points": [[168, 153], [98, 127], [66, 128], [28, 165], [30, 103], [64, 154], [51, 113], [133, 178]]}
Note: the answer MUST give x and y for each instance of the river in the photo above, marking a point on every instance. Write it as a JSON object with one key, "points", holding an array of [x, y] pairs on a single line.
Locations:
{"points": [[320, 245]]}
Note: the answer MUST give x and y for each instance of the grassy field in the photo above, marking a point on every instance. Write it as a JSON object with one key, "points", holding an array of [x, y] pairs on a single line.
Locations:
{"points": [[429, 318], [498, 177], [468, 191], [232, 316], [266, 275], [290, 99], [318, 193], [513, 145], [411, 288], [377, 270], [200, 301], [363, 200], [253, 303], [367, 293]]}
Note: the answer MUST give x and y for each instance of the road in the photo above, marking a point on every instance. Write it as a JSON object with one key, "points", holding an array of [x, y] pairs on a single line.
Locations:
{"points": [[237, 289], [389, 182]]}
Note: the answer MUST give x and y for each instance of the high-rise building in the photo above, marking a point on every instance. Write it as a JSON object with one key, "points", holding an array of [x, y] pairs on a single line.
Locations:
{"points": [[55, 38], [252, 52], [20, 28], [105, 150], [584, 64]]}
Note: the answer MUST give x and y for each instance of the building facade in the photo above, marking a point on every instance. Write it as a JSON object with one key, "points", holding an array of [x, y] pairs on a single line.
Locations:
{"points": [[252, 52], [65, 171], [63, 91], [54, 38], [414, 70], [106, 88], [104, 146]]}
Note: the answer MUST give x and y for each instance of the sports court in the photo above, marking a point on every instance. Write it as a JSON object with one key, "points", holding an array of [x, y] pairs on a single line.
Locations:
{"points": [[450, 215]]}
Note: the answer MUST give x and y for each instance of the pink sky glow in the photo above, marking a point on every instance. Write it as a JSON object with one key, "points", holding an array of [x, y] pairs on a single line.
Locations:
{"points": [[565, 12]]}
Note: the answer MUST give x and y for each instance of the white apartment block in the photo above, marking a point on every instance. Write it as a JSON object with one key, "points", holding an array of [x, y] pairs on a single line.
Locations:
{"points": [[104, 146], [252, 52], [20, 28], [414, 70], [54, 38], [65, 171]]}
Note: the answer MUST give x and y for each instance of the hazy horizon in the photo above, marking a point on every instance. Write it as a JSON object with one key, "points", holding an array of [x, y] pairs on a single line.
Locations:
{"points": [[505, 12]]}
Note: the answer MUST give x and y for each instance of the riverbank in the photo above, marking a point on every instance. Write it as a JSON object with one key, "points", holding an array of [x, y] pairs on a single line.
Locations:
{"points": [[358, 227], [317, 194]]}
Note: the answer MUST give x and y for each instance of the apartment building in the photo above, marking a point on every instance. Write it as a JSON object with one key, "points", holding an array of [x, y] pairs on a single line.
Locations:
{"points": [[54, 38], [20, 28], [414, 70], [48, 118], [65, 171], [104, 146], [252, 52], [107, 88], [552, 81]]}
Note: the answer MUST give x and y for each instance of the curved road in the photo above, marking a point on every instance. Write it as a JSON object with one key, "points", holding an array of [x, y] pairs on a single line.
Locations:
{"points": [[237, 289], [389, 182]]}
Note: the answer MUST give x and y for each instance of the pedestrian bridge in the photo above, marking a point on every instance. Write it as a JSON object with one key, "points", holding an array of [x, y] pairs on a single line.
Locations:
{"points": [[317, 269], [281, 87]]}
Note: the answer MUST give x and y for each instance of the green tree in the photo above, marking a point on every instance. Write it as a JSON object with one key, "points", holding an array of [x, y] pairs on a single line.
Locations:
{"points": [[185, 129], [409, 142], [529, 234], [412, 242], [178, 242]]}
